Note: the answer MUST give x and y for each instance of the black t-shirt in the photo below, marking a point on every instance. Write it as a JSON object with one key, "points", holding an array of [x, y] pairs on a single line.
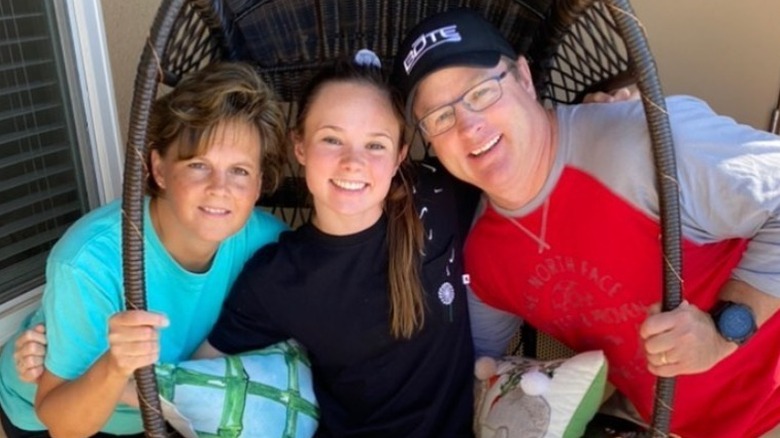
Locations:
{"points": [[331, 294]]}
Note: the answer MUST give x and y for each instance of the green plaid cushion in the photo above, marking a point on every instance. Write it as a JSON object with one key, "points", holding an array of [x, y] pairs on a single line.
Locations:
{"points": [[262, 393]]}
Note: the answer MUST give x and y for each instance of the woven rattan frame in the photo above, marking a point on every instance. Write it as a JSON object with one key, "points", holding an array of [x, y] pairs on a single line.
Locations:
{"points": [[574, 46]]}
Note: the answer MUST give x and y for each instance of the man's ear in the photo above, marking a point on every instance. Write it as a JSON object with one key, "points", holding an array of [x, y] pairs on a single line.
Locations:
{"points": [[157, 173], [524, 77]]}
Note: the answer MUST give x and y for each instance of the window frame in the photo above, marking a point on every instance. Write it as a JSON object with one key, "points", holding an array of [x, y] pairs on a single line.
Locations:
{"points": [[85, 55]]}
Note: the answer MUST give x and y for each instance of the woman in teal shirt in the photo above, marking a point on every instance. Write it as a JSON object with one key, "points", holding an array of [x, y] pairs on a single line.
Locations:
{"points": [[215, 141]]}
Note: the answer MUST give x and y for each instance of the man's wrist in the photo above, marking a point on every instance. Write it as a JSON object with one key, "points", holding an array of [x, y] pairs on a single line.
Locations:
{"points": [[735, 322]]}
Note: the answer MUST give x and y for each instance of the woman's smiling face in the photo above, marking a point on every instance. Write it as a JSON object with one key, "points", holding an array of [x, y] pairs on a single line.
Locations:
{"points": [[209, 197]]}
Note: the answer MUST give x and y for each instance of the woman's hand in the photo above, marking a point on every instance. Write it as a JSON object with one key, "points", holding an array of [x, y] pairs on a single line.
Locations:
{"points": [[134, 340], [90, 399]]}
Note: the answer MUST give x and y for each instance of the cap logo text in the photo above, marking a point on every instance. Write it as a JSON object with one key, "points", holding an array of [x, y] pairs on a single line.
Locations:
{"points": [[427, 41]]}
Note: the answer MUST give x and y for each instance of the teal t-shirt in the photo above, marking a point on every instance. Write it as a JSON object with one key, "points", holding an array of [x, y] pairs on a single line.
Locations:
{"points": [[84, 288]]}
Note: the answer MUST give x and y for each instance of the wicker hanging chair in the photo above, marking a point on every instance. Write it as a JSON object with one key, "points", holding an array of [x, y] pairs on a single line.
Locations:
{"points": [[574, 47]]}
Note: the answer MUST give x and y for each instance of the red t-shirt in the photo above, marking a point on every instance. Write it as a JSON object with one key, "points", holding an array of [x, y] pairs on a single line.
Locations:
{"points": [[591, 289]]}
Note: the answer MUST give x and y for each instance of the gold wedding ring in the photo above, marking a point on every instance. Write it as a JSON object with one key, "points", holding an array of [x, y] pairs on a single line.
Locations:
{"points": [[663, 359]]}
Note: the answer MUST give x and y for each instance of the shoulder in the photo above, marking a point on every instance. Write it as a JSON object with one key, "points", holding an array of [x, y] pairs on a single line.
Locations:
{"points": [[260, 229], [443, 197], [268, 269], [695, 123], [265, 223], [433, 183], [590, 116], [691, 119], [98, 232], [611, 142], [274, 258], [431, 174], [446, 207]]}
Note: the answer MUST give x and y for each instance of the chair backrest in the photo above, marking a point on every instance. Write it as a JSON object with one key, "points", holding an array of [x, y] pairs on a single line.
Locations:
{"points": [[574, 46]]}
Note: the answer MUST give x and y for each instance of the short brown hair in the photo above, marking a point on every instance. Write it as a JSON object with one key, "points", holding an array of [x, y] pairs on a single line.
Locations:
{"points": [[201, 101]]}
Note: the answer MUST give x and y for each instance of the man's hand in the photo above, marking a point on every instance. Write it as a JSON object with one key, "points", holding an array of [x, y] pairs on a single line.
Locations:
{"points": [[682, 341], [29, 352], [619, 95]]}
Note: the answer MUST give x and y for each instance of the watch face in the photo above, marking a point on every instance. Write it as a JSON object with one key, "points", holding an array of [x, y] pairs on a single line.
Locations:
{"points": [[736, 323]]}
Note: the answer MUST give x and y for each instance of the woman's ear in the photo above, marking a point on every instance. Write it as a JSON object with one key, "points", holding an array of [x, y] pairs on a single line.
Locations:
{"points": [[259, 187], [157, 172], [402, 153]]}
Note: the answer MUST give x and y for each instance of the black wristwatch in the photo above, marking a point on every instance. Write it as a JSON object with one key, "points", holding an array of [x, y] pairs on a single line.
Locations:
{"points": [[734, 321]]}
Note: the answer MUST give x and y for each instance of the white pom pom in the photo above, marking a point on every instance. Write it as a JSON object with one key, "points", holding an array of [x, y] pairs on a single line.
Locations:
{"points": [[367, 57], [535, 382], [485, 368]]}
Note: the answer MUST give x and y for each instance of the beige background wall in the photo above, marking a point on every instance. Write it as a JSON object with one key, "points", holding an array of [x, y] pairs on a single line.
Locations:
{"points": [[127, 24], [726, 52]]}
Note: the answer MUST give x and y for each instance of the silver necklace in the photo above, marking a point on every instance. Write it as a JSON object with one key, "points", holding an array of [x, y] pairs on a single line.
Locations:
{"points": [[539, 239]]}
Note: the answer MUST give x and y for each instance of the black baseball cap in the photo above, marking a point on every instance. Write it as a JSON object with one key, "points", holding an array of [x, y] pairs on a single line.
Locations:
{"points": [[451, 38]]}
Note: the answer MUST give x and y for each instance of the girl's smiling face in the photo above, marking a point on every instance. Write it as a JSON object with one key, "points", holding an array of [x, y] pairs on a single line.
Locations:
{"points": [[351, 149]]}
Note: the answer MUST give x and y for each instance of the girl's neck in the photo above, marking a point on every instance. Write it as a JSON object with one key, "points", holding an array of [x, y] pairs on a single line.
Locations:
{"points": [[338, 225], [190, 255]]}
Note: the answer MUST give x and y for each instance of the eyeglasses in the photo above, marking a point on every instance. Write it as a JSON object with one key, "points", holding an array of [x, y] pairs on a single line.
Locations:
{"points": [[475, 99]]}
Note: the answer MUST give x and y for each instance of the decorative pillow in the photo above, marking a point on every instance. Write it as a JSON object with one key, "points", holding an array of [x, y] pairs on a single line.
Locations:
{"points": [[265, 393], [520, 397]]}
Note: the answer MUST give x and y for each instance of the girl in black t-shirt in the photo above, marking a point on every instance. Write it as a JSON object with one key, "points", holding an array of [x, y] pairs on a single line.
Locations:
{"points": [[373, 286]]}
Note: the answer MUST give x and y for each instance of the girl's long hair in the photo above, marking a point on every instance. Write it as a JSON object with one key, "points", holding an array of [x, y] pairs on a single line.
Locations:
{"points": [[404, 228]]}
